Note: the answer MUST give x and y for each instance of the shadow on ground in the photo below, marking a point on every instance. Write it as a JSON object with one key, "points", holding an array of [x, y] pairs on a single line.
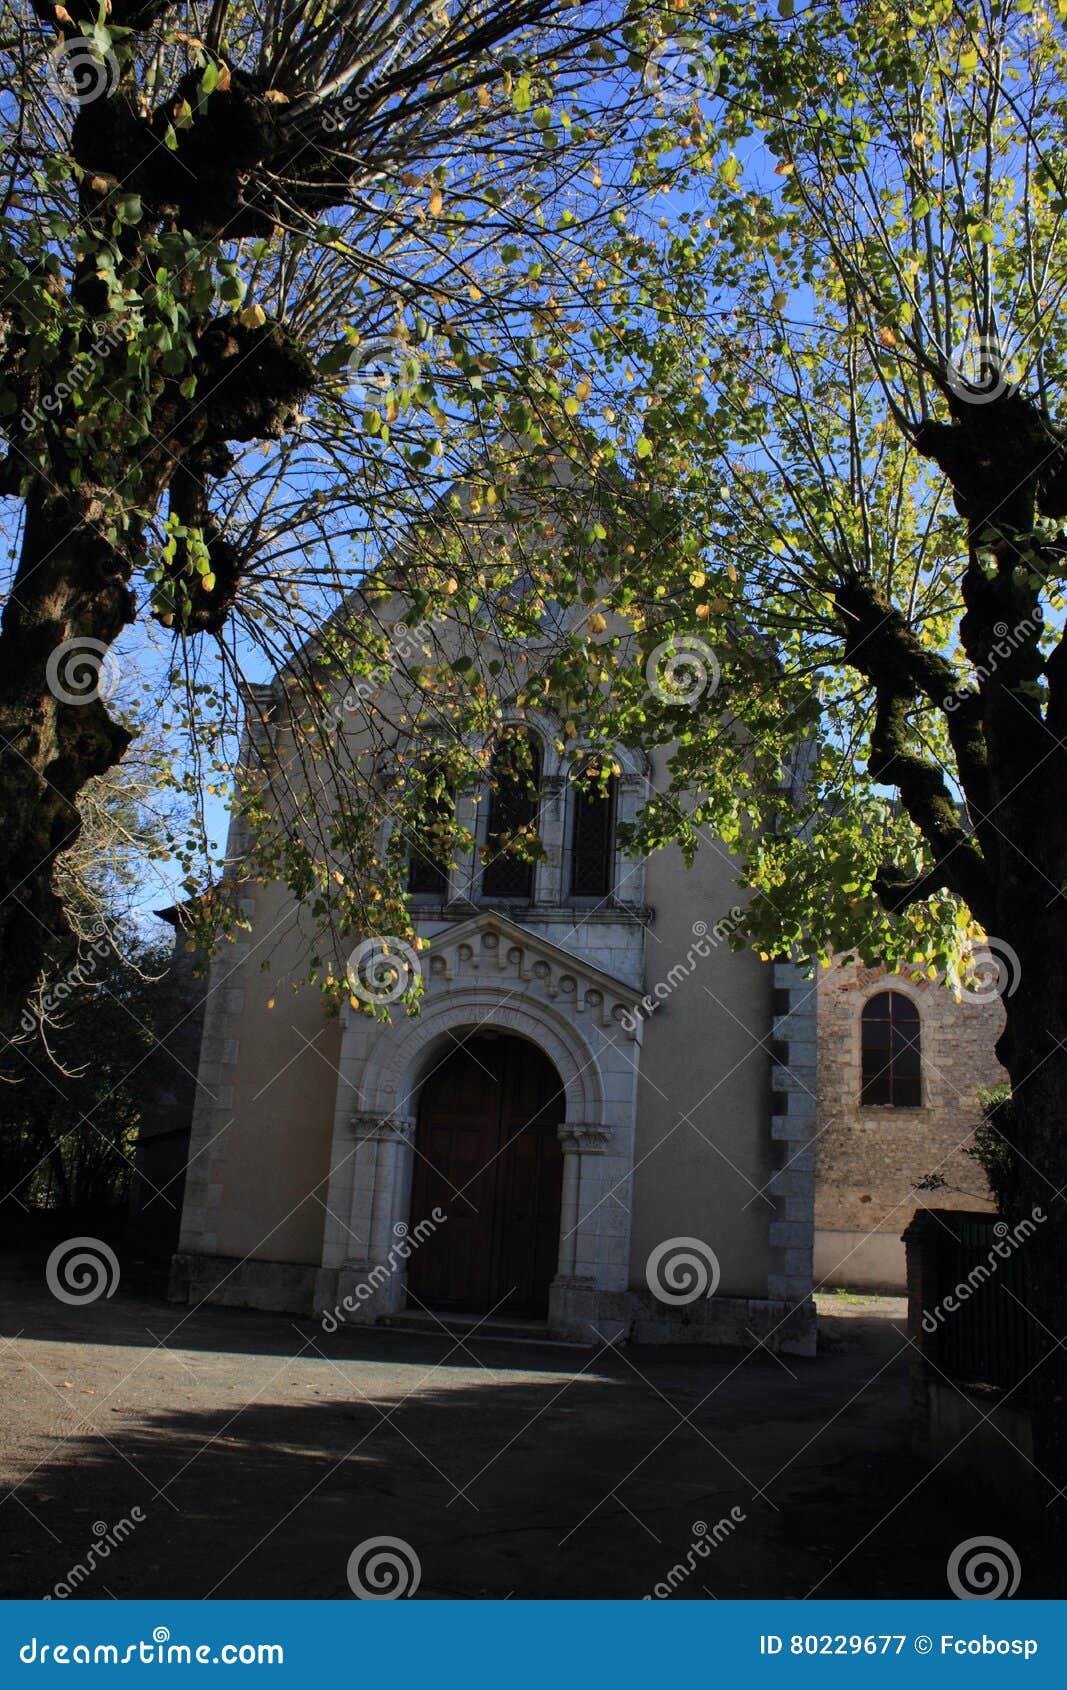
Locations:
{"points": [[260, 1452]]}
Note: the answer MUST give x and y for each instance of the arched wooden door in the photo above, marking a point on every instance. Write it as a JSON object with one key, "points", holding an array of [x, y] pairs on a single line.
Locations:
{"points": [[487, 1153]]}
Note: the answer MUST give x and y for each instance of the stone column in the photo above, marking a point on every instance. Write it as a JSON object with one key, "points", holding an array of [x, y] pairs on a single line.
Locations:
{"points": [[628, 876], [549, 887], [574, 1302], [464, 879], [370, 1283]]}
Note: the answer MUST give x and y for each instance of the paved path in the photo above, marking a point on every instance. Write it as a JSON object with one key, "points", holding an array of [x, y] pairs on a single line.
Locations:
{"points": [[261, 1452]]}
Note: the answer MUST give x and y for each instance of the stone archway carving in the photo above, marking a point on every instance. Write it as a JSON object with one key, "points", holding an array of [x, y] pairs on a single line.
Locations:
{"points": [[487, 974], [396, 1060]]}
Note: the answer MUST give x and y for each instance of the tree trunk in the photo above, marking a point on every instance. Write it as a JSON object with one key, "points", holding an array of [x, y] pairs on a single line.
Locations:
{"points": [[1034, 1051], [69, 602]]}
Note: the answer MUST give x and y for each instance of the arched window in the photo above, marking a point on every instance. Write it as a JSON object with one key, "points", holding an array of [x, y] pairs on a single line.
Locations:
{"points": [[514, 801], [430, 850], [593, 835], [891, 1059]]}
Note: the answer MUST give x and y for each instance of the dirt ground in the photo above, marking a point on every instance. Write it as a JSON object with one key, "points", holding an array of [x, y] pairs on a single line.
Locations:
{"points": [[258, 1453]]}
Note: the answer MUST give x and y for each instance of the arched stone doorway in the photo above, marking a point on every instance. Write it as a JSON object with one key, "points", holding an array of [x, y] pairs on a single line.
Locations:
{"points": [[487, 1153]]}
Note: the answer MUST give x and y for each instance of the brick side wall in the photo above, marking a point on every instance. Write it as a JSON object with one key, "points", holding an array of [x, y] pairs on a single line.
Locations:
{"points": [[868, 1160]]}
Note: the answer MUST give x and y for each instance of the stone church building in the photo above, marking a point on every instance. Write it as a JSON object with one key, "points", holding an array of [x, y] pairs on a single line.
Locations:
{"points": [[601, 1125], [612, 1112]]}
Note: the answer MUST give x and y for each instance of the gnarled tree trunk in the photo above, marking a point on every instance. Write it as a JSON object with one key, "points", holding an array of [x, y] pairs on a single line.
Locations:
{"points": [[69, 602]]}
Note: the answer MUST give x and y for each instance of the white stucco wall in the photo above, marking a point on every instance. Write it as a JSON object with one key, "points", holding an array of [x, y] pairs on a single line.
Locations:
{"points": [[703, 1140]]}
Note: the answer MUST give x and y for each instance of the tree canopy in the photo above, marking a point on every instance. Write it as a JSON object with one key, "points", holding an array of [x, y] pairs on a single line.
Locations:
{"points": [[861, 455], [273, 278]]}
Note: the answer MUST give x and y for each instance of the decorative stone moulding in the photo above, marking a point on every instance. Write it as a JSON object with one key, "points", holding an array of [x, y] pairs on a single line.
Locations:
{"points": [[493, 947], [398, 1129], [586, 1137]]}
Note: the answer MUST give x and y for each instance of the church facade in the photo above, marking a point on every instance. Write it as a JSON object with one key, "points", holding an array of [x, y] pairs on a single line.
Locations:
{"points": [[602, 1124], [599, 1123]]}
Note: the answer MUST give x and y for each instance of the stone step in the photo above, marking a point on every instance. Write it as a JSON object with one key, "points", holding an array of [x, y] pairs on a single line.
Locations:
{"points": [[514, 1331]]}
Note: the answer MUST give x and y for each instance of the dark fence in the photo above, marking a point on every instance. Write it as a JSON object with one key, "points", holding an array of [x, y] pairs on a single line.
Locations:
{"points": [[970, 1296]]}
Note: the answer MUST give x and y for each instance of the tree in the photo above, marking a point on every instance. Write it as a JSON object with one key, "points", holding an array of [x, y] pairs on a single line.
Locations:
{"points": [[92, 1039], [861, 448], [271, 276], [72, 1113]]}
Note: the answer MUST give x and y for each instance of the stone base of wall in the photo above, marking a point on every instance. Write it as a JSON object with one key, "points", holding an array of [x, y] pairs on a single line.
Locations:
{"points": [[860, 1261], [282, 1287], [358, 1294], [579, 1310], [741, 1322]]}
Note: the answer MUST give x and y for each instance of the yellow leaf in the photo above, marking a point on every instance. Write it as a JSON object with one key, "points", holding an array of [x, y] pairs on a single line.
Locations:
{"points": [[437, 200], [276, 97], [697, 578], [252, 317], [596, 623]]}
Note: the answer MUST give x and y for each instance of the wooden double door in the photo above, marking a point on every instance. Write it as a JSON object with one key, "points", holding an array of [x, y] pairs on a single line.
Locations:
{"points": [[488, 1155]]}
